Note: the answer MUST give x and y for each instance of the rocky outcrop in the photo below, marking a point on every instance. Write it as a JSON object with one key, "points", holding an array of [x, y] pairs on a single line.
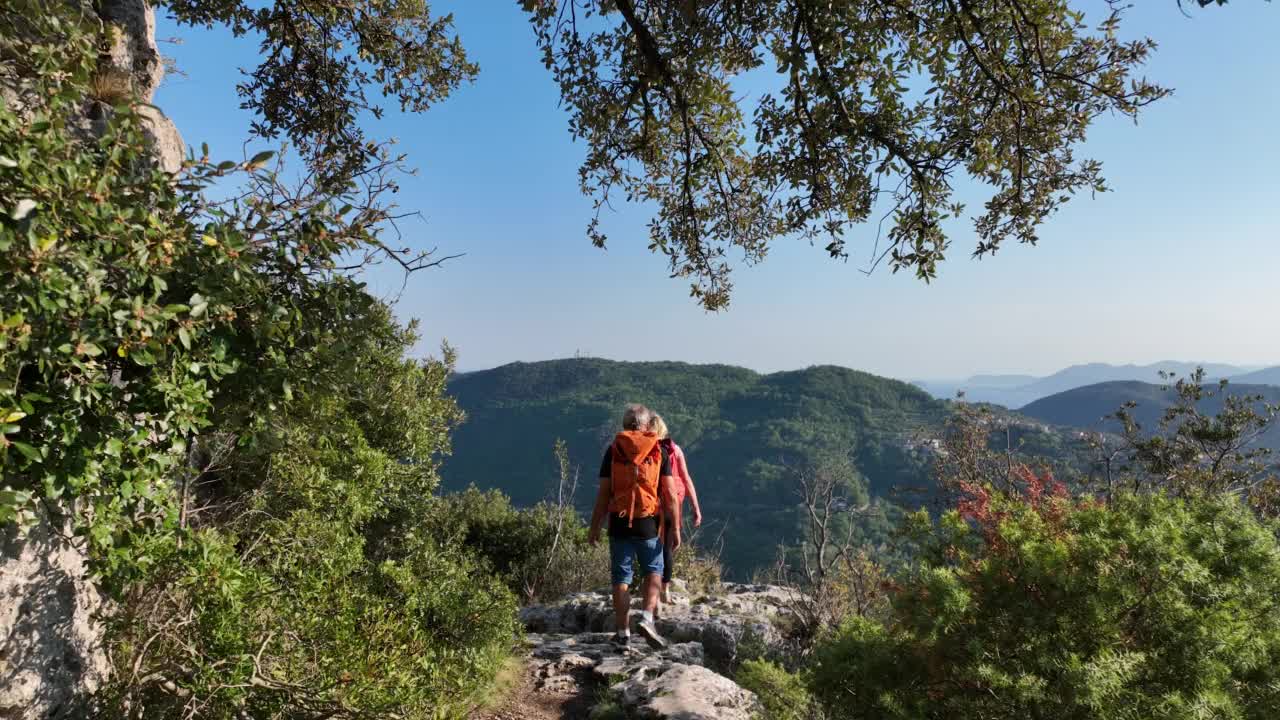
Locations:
{"points": [[570, 644], [51, 657], [671, 683], [129, 66], [131, 48], [132, 53], [735, 615], [687, 692], [167, 147]]}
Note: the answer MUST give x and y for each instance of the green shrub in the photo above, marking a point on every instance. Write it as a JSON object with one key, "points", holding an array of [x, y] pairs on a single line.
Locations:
{"points": [[783, 694], [521, 544], [309, 579], [1041, 606], [700, 570], [608, 706]]}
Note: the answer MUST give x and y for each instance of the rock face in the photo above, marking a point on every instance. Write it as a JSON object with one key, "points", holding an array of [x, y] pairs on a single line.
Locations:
{"points": [[51, 658], [131, 28], [688, 692], [571, 641], [130, 63]]}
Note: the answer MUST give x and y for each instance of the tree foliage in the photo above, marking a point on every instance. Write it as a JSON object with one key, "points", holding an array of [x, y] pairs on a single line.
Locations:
{"points": [[877, 107], [201, 393], [783, 694], [321, 59], [1192, 452], [540, 552], [312, 581]]}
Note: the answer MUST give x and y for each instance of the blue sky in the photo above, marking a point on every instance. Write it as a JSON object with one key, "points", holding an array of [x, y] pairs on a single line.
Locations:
{"points": [[1178, 262]]}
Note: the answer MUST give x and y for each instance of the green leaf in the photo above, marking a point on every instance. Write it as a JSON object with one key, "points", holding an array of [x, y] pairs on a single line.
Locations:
{"points": [[184, 337], [32, 454], [261, 158]]}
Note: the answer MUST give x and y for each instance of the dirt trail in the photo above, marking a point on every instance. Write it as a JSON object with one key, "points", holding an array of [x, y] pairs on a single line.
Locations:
{"points": [[524, 701]]}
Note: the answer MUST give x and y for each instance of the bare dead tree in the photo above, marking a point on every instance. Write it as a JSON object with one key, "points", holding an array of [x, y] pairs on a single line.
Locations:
{"points": [[566, 489], [830, 575], [559, 507], [822, 492]]}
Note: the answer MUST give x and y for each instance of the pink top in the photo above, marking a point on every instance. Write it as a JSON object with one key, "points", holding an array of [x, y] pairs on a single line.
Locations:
{"points": [[680, 471]]}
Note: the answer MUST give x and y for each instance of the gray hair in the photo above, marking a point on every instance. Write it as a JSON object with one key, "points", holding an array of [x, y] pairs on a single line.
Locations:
{"points": [[636, 417]]}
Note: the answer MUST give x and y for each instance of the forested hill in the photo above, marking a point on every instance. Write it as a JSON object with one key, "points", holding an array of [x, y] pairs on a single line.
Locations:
{"points": [[741, 430], [1087, 407]]}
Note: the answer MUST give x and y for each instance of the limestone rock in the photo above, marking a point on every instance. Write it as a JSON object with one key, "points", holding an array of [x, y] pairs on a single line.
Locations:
{"points": [[131, 30], [670, 683], [130, 64], [570, 647], [167, 147], [51, 658], [720, 622], [687, 692]]}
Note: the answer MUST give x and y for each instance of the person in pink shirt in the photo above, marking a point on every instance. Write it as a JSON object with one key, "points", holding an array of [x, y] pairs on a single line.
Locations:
{"points": [[683, 488]]}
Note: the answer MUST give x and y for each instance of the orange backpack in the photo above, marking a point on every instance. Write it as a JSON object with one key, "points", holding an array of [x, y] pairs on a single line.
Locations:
{"points": [[637, 465]]}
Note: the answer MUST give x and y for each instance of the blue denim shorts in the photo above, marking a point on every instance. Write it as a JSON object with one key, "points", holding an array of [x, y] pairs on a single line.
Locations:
{"points": [[622, 550]]}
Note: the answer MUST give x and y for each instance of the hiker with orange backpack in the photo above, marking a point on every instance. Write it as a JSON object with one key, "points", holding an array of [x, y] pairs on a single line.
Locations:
{"points": [[635, 493], [681, 488]]}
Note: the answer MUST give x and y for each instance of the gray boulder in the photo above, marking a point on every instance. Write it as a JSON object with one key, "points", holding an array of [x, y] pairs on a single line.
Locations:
{"points": [[687, 692]]}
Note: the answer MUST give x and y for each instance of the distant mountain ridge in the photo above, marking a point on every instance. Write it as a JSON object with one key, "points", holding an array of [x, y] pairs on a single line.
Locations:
{"points": [[1265, 376], [1006, 390], [1088, 407]]}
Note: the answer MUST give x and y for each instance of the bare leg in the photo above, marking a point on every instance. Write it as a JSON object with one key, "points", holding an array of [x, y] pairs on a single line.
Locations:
{"points": [[621, 607], [652, 586]]}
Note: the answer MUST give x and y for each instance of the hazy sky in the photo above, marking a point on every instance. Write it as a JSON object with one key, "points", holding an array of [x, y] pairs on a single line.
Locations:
{"points": [[1179, 262]]}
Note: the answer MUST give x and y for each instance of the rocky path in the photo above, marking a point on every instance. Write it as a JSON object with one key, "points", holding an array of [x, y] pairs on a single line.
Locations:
{"points": [[572, 665], [526, 701]]}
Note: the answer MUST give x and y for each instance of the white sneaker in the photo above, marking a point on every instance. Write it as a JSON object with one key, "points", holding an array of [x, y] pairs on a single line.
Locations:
{"points": [[650, 632]]}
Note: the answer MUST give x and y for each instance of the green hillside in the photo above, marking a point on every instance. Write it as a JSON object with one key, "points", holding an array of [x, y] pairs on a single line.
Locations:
{"points": [[1086, 407], [742, 431]]}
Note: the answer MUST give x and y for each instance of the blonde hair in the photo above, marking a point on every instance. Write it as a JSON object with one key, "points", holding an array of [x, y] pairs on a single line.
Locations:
{"points": [[659, 426]]}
